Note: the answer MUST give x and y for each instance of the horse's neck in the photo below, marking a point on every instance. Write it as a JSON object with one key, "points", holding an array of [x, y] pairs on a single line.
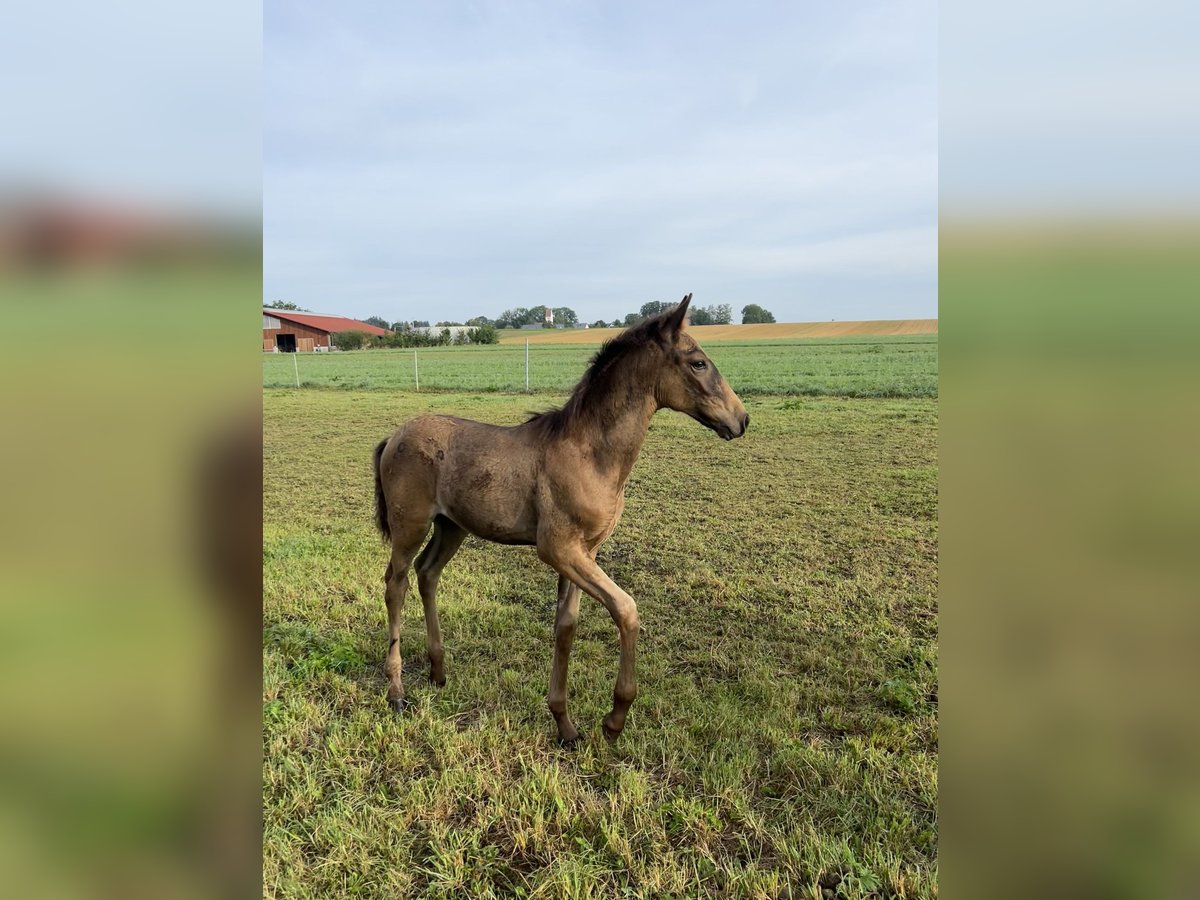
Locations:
{"points": [[617, 445]]}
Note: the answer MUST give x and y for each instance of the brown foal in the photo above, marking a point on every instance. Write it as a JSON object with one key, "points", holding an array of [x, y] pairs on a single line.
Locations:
{"points": [[556, 481]]}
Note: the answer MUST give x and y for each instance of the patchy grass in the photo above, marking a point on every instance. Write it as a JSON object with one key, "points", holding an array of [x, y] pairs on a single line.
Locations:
{"points": [[784, 742], [884, 366]]}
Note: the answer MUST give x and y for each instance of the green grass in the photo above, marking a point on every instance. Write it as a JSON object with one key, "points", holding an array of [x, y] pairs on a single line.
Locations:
{"points": [[784, 742], [846, 367]]}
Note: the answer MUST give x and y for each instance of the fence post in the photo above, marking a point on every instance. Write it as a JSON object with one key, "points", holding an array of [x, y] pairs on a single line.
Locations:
{"points": [[527, 365], [296, 365], [416, 371]]}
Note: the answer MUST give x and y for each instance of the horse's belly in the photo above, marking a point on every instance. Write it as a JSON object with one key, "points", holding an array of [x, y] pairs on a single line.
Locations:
{"points": [[493, 526], [490, 502]]}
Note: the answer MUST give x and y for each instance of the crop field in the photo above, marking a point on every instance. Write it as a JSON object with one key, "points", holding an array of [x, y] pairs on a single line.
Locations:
{"points": [[880, 366], [784, 741]]}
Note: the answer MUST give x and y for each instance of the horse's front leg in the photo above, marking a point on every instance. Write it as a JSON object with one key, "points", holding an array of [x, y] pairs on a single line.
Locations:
{"points": [[581, 569]]}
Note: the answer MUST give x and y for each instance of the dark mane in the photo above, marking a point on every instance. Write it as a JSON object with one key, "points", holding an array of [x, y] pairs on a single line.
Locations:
{"points": [[602, 374]]}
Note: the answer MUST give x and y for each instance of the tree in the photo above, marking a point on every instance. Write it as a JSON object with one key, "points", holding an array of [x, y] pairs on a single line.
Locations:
{"points": [[420, 323], [479, 321], [349, 340], [515, 318], [654, 307], [408, 338], [617, 323], [753, 314], [632, 319], [599, 323], [283, 304], [444, 324], [564, 315], [484, 334], [722, 313], [378, 322]]}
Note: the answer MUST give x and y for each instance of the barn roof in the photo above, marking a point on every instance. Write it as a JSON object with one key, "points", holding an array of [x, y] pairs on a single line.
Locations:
{"points": [[330, 324]]}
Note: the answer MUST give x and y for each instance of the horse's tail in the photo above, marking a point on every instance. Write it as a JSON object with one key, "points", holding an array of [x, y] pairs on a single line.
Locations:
{"points": [[381, 513]]}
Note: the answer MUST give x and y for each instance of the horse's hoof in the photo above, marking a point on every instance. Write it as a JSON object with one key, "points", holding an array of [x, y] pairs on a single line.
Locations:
{"points": [[437, 682], [398, 705], [568, 743], [610, 735]]}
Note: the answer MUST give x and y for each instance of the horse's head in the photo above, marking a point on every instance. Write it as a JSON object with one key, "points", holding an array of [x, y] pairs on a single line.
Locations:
{"points": [[689, 382]]}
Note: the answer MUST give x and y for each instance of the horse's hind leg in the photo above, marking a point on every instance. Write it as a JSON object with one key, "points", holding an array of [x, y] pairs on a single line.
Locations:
{"points": [[447, 538], [406, 540], [564, 636]]}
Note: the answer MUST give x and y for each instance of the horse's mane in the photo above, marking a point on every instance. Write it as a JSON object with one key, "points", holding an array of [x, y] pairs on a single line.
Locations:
{"points": [[603, 375]]}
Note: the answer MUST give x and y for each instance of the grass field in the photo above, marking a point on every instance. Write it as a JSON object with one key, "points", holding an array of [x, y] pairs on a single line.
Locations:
{"points": [[775, 331], [784, 742], [897, 366]]}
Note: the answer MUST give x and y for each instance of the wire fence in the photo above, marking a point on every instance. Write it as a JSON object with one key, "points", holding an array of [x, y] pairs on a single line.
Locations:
{"points": [[891, 367]]}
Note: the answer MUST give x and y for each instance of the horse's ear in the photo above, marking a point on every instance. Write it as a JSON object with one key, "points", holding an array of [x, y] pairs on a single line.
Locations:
{"points": [[677, 316]]}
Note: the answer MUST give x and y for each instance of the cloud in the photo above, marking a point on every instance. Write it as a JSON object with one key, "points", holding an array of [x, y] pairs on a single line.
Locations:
{"points": [[901, 252], [491, 155]]}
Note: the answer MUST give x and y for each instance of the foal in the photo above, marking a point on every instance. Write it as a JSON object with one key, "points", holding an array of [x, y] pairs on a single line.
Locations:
{"points": [[556, 481]]}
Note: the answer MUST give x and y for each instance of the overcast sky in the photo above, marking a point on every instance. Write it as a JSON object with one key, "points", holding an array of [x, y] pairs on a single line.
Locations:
{"points": [[447, 160]]}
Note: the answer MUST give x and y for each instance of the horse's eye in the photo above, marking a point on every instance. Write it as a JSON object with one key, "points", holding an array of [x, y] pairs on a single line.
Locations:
{"points": [[699, 365]]}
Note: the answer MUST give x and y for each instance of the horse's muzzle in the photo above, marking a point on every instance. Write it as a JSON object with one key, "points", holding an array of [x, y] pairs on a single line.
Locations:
{"points": [[728, 432]]}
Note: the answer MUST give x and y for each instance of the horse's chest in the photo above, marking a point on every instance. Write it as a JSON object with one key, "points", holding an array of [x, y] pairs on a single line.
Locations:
{"points": [[609, 525]]}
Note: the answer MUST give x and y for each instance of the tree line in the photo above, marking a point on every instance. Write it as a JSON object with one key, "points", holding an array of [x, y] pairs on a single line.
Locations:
{"points": [[409, 334], [717, 314], [419, 333]]}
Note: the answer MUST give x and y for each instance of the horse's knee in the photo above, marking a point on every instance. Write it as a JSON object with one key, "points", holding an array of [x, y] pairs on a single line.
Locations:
{"points": [[557, 705], [628, 621]]}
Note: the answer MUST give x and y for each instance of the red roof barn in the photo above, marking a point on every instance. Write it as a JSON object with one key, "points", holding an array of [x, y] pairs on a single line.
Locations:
{"points": [[290, 332]]}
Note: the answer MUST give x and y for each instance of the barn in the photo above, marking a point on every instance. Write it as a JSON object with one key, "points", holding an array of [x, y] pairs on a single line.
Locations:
{"points": [[290, 332]]}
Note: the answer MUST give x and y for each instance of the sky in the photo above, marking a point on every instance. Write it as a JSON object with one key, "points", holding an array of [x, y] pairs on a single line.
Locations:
{"points": [[142, 101], [447, 160]]}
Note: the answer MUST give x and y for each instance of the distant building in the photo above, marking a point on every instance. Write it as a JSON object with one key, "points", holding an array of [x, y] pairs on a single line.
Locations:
{"points": [[285, 331], [549, 316], [455, 330]]}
